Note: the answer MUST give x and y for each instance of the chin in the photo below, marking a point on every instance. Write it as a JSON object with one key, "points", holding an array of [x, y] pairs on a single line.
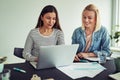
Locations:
{"points": [[50, 27]]}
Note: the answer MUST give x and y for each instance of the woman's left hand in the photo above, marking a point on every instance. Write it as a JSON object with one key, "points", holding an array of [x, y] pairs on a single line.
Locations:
{"points": [[84, 55]]}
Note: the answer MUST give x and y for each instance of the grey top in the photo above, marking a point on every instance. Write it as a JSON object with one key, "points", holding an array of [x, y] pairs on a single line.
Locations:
{"points": [[35, 40]]}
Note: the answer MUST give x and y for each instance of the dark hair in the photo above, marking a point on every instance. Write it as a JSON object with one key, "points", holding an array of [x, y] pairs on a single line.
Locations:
{"points": [[46, 9]]}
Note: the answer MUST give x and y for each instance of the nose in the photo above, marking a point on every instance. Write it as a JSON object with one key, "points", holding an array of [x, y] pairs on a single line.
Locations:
{"points": [[50, 21], [86, 19]]}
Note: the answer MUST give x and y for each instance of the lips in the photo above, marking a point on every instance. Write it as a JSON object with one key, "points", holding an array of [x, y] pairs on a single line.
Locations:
{"points": [[87, 24], [50, 25]]}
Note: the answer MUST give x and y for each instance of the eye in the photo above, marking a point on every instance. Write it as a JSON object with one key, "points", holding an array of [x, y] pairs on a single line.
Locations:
{"points": [[84, 17], [47, 17], [54, 18], [90, 17]]}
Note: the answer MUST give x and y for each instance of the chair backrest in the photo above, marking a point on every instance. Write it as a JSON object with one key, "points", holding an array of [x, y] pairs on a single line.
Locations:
{"points": [[18, 52]]}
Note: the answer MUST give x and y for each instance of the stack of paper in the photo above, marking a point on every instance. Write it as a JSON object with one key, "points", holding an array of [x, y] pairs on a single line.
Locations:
{"points": [[78, 70], [97, 59], [115, 76], [115, 55]]}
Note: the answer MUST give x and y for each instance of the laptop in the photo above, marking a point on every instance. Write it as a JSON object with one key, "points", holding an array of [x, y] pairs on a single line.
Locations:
{"points": [[55, 56]]}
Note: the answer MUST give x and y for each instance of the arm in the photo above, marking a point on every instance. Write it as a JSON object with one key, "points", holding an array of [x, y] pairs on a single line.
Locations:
{"points": [[101, 44], [60, 39], [74, 41], [105, 43], [27, 49]]}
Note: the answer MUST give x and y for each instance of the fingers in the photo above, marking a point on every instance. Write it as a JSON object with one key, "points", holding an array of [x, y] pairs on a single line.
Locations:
{"points": [[80, 55], [76, 58], [36, 59]]}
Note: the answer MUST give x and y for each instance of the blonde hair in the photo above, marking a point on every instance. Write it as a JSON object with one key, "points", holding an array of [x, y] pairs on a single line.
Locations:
{"points": [[92, 7]]}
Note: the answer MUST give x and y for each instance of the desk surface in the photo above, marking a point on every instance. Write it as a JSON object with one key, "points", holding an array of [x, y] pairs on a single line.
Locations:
{"points": [[54, 72]]}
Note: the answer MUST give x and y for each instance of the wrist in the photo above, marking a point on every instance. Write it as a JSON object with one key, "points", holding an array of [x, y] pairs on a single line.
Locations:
{"points": [[89, 55]]}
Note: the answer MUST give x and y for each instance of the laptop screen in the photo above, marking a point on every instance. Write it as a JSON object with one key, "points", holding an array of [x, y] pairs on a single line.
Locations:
{"points": [[56, 56]]}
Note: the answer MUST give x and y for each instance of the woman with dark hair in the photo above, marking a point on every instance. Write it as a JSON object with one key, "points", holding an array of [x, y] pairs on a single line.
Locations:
{"points": [[47, 32]]}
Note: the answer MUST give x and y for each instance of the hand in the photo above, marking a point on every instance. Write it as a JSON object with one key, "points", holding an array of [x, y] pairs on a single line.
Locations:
{"points": [[84, 55], [76, 58], [36, 59], [80, 56]]}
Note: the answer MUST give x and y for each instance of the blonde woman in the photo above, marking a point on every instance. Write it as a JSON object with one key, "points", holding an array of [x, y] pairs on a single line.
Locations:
{"points": [[92, 36]]}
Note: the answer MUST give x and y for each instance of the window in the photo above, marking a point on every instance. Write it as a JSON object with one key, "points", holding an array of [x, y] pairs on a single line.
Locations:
{"points": [[115, 23]]}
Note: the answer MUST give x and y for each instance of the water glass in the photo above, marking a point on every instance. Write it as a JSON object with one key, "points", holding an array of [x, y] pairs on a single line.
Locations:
{"points": [[5, 75], [102, 57]]}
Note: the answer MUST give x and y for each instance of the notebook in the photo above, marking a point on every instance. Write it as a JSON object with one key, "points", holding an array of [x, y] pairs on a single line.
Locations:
{"points": [[55, 56], [115, 76]]}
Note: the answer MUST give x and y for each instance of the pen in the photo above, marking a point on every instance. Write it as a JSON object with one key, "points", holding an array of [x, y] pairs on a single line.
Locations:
{"points": [[20, 70]]}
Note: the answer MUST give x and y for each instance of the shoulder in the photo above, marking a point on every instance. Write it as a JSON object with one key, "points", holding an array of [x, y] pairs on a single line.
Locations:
{"points": [[103, 29], [33, 31], [78, 30], [57, 31]]}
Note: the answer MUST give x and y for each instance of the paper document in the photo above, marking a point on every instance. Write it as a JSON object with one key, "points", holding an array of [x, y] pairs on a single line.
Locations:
{"points": [[115, 76], [93, 58], [115, 55], [78, 70], [97, 59]]}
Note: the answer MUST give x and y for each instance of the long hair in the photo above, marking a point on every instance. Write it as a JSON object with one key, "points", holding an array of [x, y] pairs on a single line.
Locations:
{"points": [[47, 9], [92, 7]]}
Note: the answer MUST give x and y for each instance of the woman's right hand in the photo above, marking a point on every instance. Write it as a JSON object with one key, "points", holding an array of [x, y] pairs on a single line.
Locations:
{"points": [[76, 58], [36, 59]]}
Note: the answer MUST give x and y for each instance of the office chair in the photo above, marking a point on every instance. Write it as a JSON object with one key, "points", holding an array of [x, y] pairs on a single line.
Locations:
{"points": [[18, 52]]}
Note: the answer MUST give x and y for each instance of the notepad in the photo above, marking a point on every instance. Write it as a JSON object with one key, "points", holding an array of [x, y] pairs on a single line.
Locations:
{"points": [[96, 58], [115, 76]]}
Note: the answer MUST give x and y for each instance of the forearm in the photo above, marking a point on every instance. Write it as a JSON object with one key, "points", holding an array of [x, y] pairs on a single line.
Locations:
{"points": [[86, 55], [29, 57]]}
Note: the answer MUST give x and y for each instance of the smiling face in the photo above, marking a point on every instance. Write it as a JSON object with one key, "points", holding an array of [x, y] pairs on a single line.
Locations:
{"points": [[49, 19], [89, 19]]}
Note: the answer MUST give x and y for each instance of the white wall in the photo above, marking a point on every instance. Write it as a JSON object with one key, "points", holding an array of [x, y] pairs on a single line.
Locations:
{"points": [[18, 17]]}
